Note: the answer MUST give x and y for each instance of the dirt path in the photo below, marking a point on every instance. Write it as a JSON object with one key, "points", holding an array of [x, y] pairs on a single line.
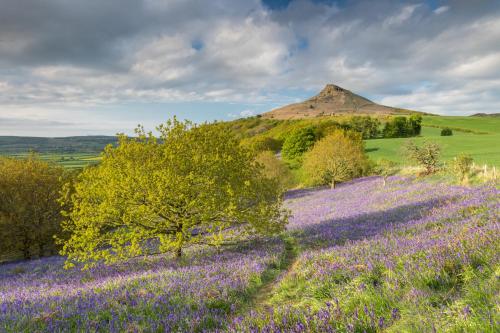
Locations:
{"points": [[271, 278]]}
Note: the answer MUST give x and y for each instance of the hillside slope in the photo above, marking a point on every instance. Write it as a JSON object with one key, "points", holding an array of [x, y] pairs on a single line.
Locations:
{"points": [[332, 100]]}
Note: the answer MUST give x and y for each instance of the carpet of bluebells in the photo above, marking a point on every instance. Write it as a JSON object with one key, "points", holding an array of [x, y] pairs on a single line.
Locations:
{"points": [[411, 256], [152, 294]]}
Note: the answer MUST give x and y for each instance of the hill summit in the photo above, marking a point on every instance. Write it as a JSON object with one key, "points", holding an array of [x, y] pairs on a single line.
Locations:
{"points": [[332, 100]]}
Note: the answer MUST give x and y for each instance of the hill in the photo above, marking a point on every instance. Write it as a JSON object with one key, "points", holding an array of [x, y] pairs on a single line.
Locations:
{"points": [[74, 144], [333, 100]]}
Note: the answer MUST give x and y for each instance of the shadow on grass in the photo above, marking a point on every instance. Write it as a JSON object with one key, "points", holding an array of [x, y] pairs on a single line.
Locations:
{"points": [[337, 231]]}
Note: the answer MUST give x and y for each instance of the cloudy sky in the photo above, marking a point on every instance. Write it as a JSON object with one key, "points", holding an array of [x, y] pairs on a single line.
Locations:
{"points": [[101, 67]]}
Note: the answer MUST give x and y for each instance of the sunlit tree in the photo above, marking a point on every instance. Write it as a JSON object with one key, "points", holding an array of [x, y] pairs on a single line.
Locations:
{"points": [[195, 184], [335, 158]]}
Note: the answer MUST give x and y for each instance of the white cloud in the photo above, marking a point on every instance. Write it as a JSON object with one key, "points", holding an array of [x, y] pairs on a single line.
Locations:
{"points": [[242, 52], [441, 10]]}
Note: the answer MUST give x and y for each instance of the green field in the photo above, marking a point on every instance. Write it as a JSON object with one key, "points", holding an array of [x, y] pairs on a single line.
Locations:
{"points": [[484, 147], [70, 161]]}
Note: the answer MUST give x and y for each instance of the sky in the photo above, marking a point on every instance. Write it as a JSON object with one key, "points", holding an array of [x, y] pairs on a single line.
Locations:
{"points": [[101, 67]]}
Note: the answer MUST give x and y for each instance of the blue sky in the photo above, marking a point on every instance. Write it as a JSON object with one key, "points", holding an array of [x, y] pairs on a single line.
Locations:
{"points": [[95, 67]]}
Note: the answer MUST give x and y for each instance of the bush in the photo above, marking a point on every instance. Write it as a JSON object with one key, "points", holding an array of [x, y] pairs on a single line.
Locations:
{"points": [[427, 155], [298, 143], [446, 132], [275, 169], [462, 165], [386, 168], [337, 157], [29, 208], [262, 143]]}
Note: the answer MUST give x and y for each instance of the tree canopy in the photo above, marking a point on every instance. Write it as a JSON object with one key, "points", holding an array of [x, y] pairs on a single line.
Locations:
{"points": [[195, 184], [337, 157], [298, 142], [29, 208]]}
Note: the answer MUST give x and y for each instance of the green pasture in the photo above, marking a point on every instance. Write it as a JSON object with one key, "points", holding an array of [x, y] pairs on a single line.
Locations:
{"points": [[70, 160], [477, 136]]}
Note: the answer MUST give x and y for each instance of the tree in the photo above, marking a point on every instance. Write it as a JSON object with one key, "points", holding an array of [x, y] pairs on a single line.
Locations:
{"points": [[195, 184], [446, 132], [298, 142], [262, 143], [366, 125], [462, 165], [415, 124], [29, 209], [275, 169], [386, 168], [337, 157], [427, 155]]}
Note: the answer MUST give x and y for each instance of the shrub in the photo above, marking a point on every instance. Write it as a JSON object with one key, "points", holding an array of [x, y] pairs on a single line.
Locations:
{"points": [[262, 143], [446, 132], [462, 165], [337, 157], [195, 184], [298, 142], [386, 168], [275, 169], [29, 208], [427, 155]]}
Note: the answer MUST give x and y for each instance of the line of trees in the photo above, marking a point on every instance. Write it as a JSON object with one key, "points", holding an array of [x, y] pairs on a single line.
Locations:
{"points": [[403, 127]]}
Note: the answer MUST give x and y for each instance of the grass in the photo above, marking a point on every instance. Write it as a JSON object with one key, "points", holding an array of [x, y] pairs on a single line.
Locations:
{"points": [[69, 161], [484, 148]]}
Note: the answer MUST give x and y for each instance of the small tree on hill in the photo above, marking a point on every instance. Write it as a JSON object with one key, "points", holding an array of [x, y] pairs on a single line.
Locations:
{"points": [[298, 142], [427, 155], [337, 157], [195, 185], [29, 209], [462, 165], [386, 168]]}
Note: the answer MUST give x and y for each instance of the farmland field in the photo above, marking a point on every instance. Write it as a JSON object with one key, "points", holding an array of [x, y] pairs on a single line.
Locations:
{"points": [[412, 256], [479, 137], [68, 160]]}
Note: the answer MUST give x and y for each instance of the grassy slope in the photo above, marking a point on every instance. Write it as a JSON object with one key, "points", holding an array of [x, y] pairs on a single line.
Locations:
{"points": [[484, 148]]}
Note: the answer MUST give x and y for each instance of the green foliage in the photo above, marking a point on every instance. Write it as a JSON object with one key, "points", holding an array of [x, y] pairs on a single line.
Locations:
{"points": [[29, 210], [196, 184], [337, 157], [366, 125], [275, 169], [298, 143], [402, 127], [446, 132], [262, 143], [462, 165], [426, 155], [386, 168]]}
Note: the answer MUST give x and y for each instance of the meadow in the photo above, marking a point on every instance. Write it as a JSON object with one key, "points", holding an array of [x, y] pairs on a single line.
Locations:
{"points": [[412, 256], [476, 136]]}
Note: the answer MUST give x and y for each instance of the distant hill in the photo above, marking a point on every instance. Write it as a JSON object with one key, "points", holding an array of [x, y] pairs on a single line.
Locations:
{"points": [[72, 144], [333, 100], [485, 115]]}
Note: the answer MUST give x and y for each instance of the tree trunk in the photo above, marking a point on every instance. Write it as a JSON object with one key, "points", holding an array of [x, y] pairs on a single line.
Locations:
{"points": [[178, 252], [385, 180], [332, 185]]}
